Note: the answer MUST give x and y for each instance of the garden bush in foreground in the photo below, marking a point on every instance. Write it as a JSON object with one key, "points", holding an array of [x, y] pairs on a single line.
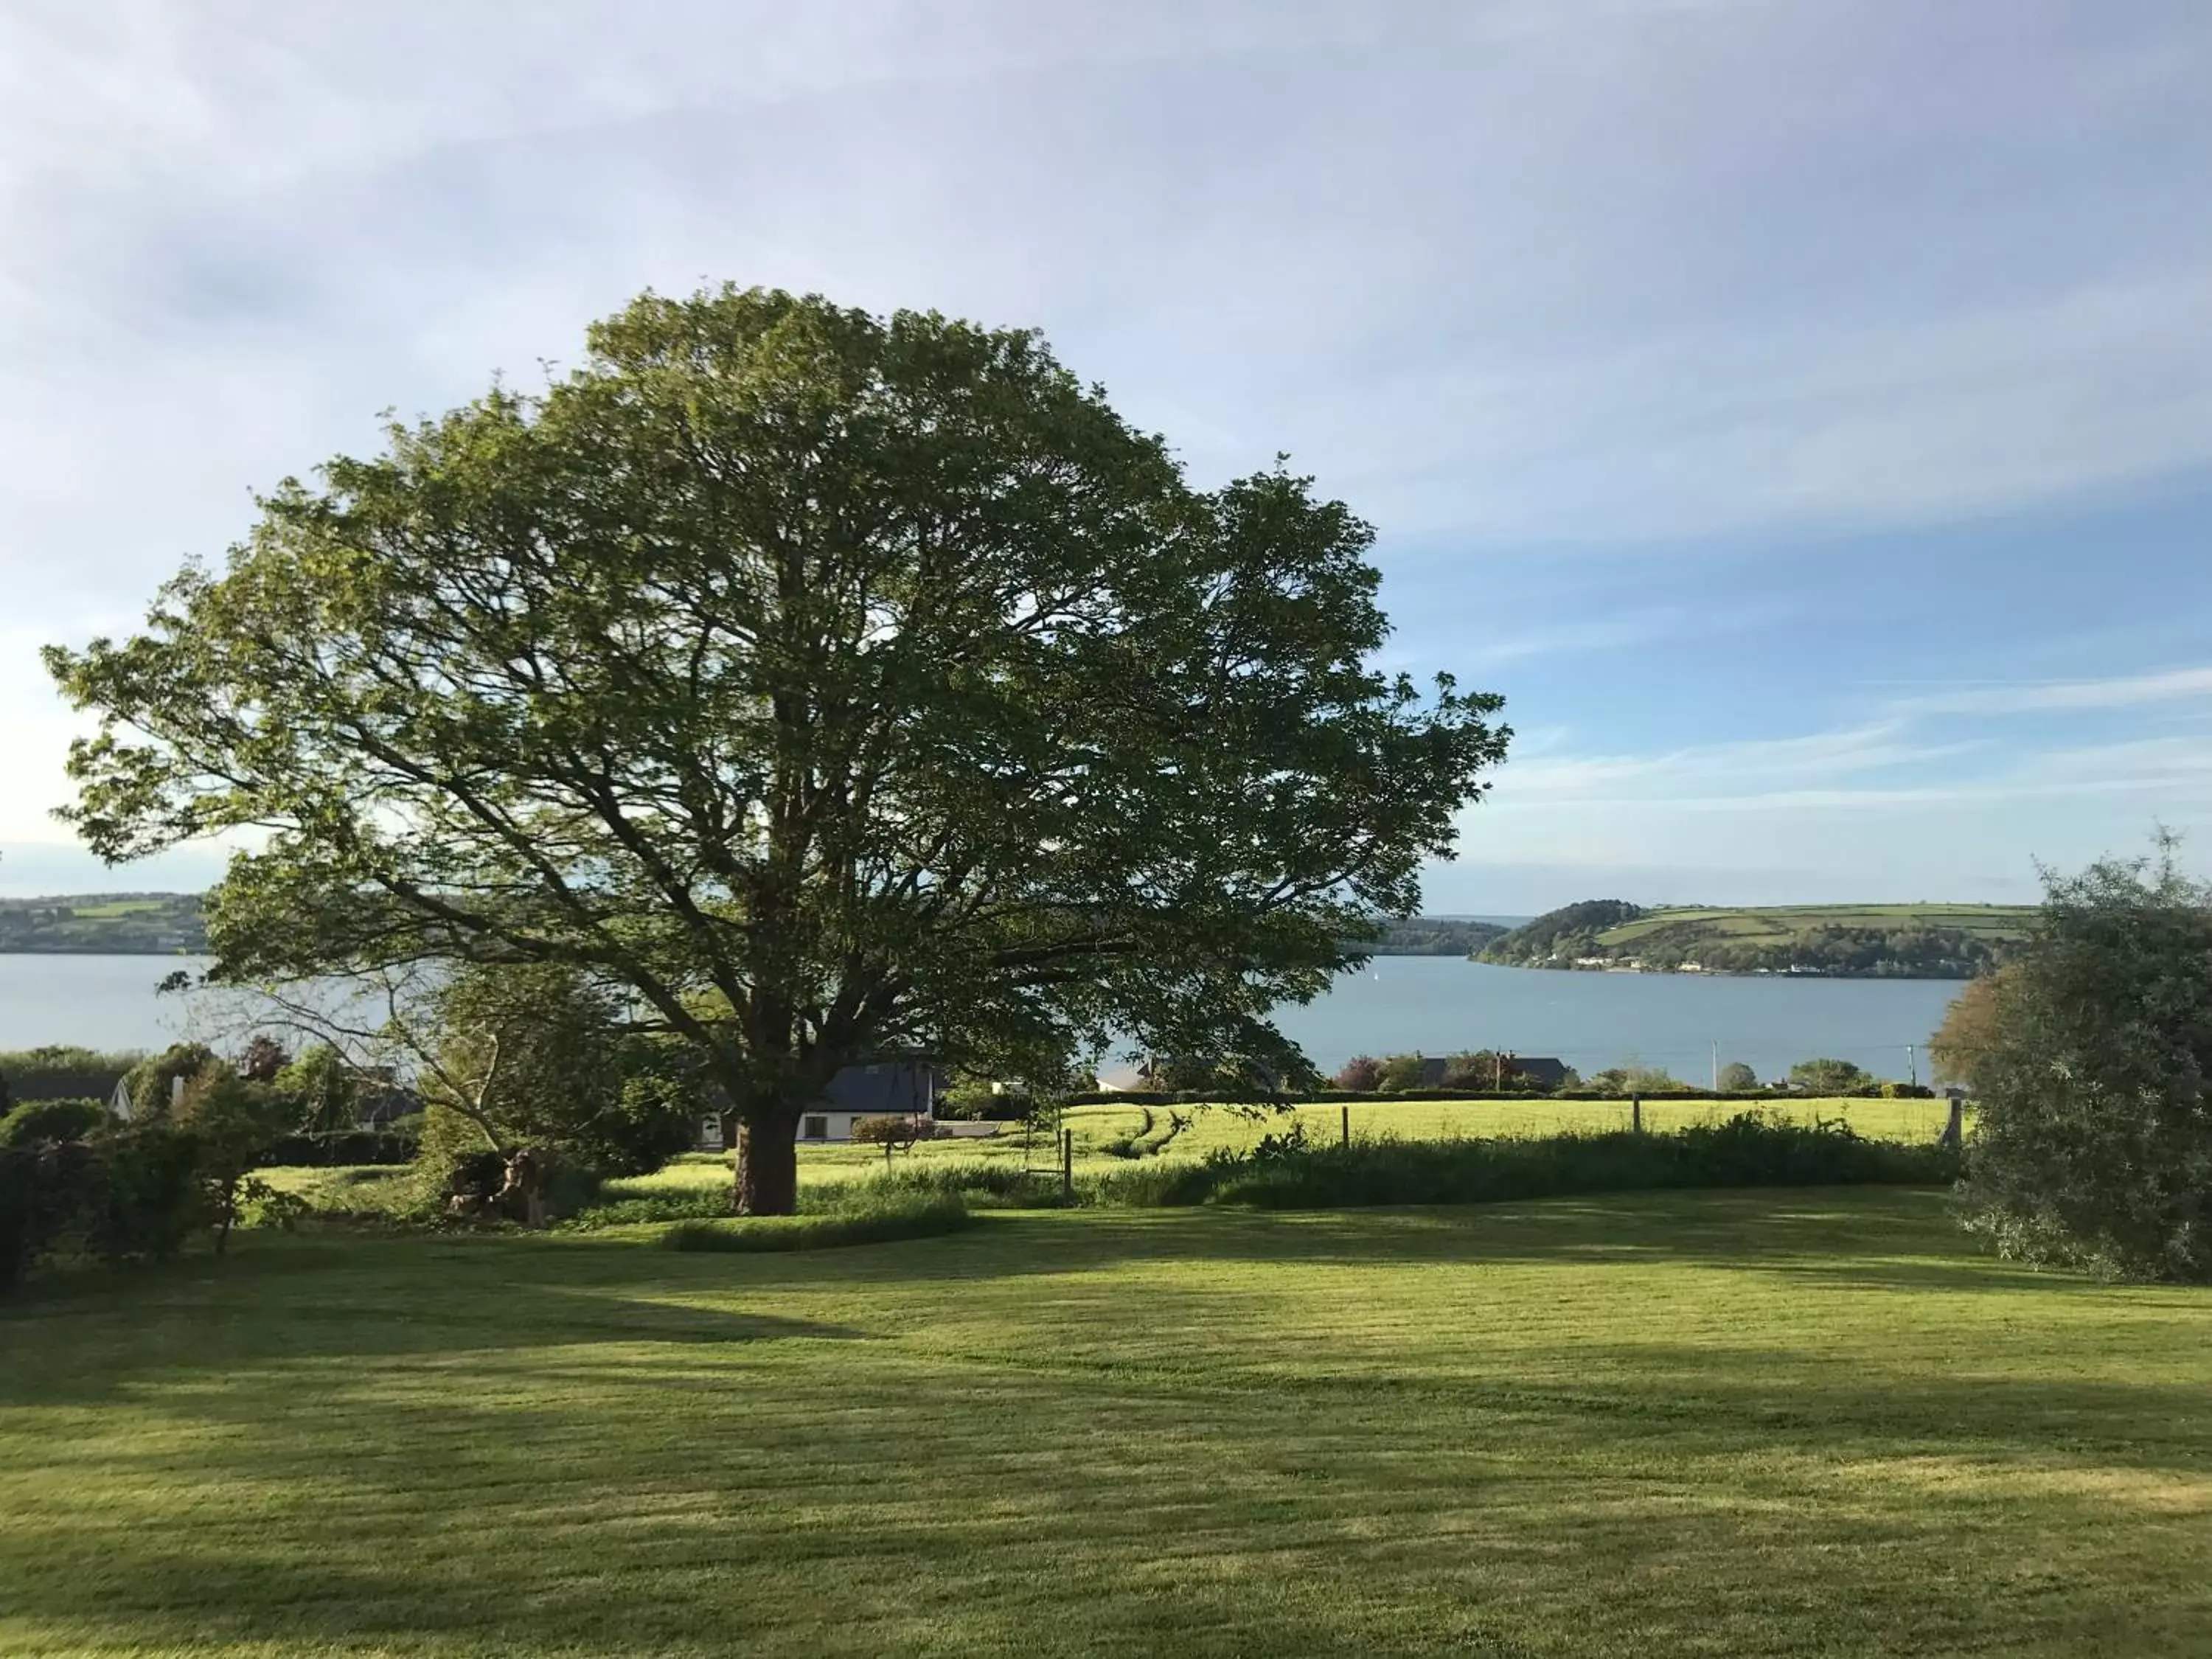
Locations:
{"points": [[2093, 1146]]}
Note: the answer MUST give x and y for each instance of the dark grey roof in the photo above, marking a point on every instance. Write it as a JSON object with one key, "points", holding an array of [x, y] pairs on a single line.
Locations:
{"points": [[886, 1086]]}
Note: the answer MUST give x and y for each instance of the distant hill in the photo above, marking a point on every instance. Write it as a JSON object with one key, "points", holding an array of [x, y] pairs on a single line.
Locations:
{"points": [[1851, 941], [105, 924], [1433, 936]]}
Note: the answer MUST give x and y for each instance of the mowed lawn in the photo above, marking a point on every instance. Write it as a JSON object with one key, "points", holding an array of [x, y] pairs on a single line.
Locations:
{"points": [[1719, 1424]]}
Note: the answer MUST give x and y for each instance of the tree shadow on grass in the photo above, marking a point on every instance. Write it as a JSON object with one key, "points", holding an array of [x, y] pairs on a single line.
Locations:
{"points": [[909, 1499], [85, 1341]]}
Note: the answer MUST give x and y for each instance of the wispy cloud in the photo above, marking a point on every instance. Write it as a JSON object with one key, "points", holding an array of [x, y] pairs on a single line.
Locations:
{"points": [[2038, 696]]}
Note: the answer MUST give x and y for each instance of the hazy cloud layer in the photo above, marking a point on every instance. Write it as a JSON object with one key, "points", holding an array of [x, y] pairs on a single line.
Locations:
{"points": [[1565, 296]]}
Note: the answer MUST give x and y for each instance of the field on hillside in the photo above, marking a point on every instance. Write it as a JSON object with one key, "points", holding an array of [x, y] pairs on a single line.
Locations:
{"points": [[1721, 1423], [117, 923], [1851, 941], [1779, 924]]}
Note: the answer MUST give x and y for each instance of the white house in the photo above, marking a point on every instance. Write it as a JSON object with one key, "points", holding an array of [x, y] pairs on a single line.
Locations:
{"points": [[893, 1087]]}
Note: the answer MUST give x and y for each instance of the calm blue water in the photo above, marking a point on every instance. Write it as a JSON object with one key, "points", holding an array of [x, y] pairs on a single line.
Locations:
{"points": [[1435, 1004]]}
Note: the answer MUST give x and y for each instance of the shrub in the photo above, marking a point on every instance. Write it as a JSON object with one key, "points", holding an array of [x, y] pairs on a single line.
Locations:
{"points": [[57, 1073], [1830, 1077], [1747, 1151], [889, 1130], [1635, 1079], [152, 1083], [233, 1122], [1401, 1072], [326, 1093], [2093, 1141], [352, 1146], [701, 1206], [880, 1220], [51, 1120], [973, 1100], [1737, 1078], [1361, 1073], [1970, 1028]]}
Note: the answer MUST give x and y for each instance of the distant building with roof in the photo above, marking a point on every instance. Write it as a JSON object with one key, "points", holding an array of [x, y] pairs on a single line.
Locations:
{"points": [[894, 1085]]}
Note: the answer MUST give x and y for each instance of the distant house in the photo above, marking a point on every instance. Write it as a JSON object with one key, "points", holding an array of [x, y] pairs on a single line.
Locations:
{"points": [[899, 1085], [1542, 1070], [383, 1099]]}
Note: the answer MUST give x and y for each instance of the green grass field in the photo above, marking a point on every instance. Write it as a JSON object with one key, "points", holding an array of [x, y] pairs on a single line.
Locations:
{"points": [[1222, 1128], [1715, 1424]]}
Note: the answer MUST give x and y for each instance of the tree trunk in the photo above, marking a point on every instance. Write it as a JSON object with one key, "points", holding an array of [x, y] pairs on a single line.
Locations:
{"points": [[767, 1161]]}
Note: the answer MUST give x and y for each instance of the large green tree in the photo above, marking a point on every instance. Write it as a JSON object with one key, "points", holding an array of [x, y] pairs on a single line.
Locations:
{"points": [[821, 683]]}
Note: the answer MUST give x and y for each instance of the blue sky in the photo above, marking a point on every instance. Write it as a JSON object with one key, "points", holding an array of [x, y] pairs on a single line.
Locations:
{"points": [[1801, 411]]}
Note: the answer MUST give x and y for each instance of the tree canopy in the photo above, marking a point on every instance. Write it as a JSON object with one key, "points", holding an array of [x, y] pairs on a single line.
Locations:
{"points": [[821, 684], [2093, 1078]]}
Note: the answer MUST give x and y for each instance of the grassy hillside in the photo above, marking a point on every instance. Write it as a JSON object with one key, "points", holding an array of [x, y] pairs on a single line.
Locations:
{"points": [[1926, 941], [120, 924], [1735, 1425]]}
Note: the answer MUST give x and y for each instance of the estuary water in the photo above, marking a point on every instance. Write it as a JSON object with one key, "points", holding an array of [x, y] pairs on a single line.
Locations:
{"points": [[1437, 1005]]}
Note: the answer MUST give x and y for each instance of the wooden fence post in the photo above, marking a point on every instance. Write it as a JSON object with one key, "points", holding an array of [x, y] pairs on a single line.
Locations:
{"points": [[1067, 1165], [1347, 1126], [1636, 1113]]}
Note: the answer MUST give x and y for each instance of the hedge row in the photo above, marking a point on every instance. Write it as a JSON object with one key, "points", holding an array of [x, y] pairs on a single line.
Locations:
{"points": [[349, 1146], [1366, 1096], [132, 1197], [1292, 1174], [62, 1073]]}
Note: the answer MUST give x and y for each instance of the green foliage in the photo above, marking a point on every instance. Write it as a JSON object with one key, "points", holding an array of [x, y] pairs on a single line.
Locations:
{"points": [[351, 1147], [1830, 1077], [1426, 936], [232, 1122], [1400, 1073], [1745, 1150], [1362, 1072], [539, 1056], [51, 1120], [262, 1060], [1737, 1078], [130, 1196], [322, 1087], [152, 1082], [1970, 1028], [1489, 1071], [2093, 1144], [1561, 935], [62, 1073], [1638, 1079], [885, 1219], [870, 673], [888, 1129]]}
